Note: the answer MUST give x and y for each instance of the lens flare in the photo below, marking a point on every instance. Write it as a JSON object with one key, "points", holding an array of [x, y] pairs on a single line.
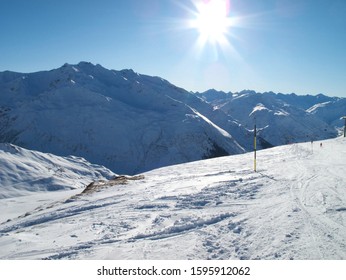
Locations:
{"points": [[212, 20]]}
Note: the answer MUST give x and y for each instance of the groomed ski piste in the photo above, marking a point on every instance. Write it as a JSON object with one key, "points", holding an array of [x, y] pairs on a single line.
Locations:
{"points": [[293, 207]]}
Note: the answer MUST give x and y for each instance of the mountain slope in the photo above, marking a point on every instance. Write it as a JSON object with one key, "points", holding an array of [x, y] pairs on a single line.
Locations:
{"points": [[330, 111], [120, 119], [24, 172], [281, 119], [292, 208]]}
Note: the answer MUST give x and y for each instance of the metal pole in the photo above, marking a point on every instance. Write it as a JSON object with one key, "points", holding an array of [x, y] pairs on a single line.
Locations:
{"points": [[344, 118], [255, 148]]}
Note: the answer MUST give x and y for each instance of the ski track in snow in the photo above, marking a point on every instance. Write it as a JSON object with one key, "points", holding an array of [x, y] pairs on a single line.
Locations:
{"points": [[328, 234], [292, 208]]}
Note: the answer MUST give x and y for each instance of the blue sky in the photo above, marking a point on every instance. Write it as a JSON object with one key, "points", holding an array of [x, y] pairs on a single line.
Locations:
{"points": [[272, 45]]}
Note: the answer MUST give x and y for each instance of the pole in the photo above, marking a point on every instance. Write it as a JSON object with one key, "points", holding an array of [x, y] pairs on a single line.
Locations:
{"points": [[345, 127], [255, 148]]}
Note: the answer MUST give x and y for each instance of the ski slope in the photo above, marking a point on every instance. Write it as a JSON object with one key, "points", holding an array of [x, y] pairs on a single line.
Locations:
{"points": [[294, 207]]}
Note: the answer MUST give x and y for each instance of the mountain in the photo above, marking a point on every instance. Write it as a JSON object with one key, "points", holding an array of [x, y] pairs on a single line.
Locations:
{"points": [[330, 111], [119, 119], [281, 118], [24, 172], [130, 123], [292, 208]]}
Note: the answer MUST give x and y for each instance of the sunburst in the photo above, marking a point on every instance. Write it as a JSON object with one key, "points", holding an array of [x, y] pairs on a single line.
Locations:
{"points": [[212, 21]]}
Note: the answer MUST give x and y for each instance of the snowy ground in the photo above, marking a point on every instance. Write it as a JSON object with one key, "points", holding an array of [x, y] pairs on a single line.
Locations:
{"points": [[24, 172], [294, 207]]}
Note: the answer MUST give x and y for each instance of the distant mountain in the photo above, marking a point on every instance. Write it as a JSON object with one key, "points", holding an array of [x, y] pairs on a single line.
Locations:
{"points": [[281, 118], [330, 111], [120, 119]]}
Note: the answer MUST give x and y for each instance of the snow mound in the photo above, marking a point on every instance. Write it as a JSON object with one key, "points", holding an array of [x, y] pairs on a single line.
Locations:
{"points": [[23, 172]]}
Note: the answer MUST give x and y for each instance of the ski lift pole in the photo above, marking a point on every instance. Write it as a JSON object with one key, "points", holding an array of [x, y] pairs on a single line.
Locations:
{"points": [[255, 149]]}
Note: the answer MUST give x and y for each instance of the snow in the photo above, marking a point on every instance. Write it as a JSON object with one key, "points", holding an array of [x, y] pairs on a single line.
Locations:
{"points": [[287, 117], [281, 113], [25, 172], [292, 208], [317, 106], [259, 107], [330, 111]]}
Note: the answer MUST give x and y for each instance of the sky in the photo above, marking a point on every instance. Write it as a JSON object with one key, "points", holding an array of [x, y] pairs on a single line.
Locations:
{"points": [[264, 45]]}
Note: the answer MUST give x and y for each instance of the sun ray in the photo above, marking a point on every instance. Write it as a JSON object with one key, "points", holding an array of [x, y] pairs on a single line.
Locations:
{"points": [[212, 20]]}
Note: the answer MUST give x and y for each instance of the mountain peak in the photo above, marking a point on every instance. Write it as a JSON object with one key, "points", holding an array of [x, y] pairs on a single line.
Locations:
{"points": [[85, 63]]}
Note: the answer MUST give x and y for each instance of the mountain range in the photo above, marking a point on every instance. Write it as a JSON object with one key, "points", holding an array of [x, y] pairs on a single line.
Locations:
{"points": [[282, 119], [130, 123]]}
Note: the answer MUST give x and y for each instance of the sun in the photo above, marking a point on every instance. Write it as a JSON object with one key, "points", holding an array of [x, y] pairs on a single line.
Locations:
{"points": [[212, 20]]}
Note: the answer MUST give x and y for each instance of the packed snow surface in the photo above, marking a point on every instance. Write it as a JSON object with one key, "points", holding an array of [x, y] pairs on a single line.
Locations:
{"points": [[294, 207]]}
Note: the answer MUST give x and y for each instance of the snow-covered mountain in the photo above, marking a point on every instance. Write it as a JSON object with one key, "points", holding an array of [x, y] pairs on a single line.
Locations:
{"points": [[330, 111], [132, 123], [292, 208], [24, 172], [120, 119], [281, 118]]}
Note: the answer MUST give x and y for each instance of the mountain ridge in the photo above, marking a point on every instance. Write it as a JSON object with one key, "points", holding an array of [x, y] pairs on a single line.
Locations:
{"points": [[282, 118], [131, 122], [120, 119]]}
